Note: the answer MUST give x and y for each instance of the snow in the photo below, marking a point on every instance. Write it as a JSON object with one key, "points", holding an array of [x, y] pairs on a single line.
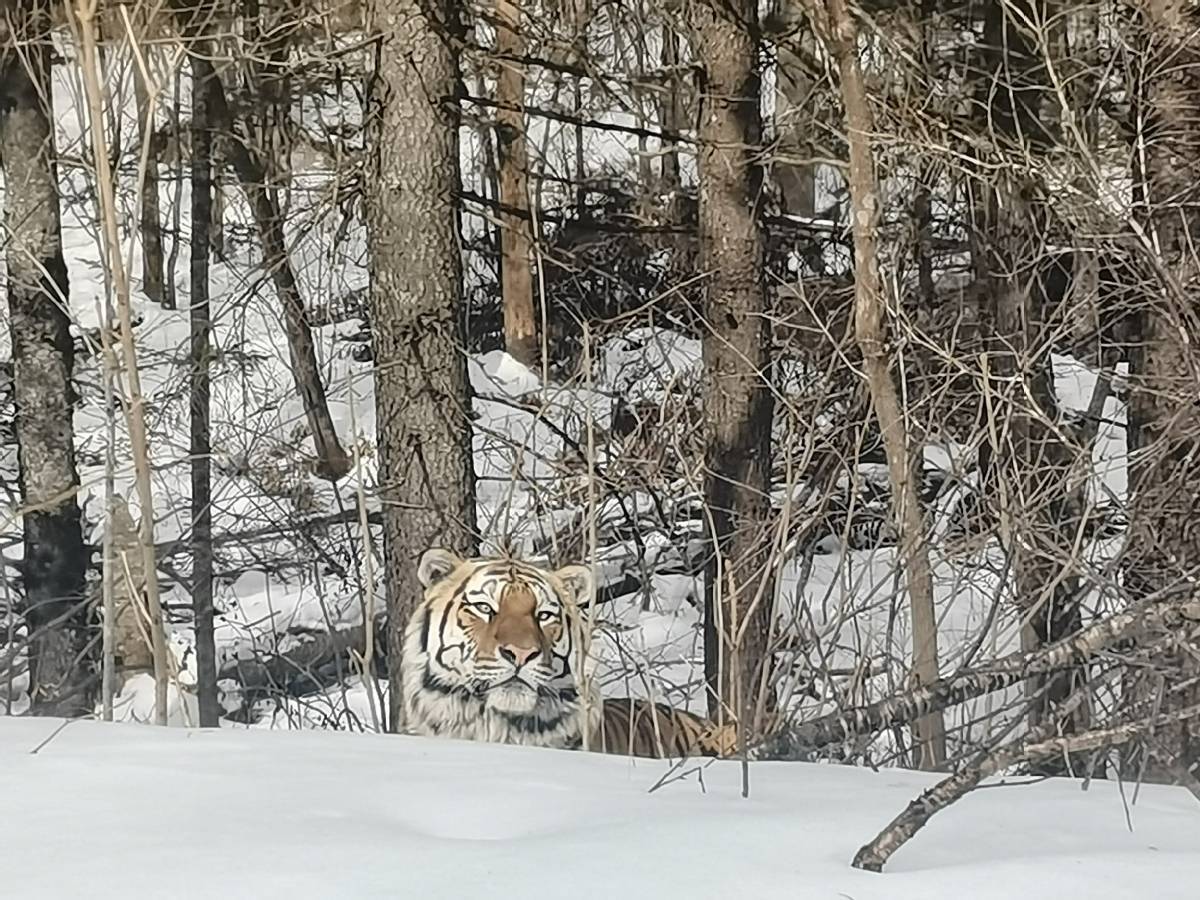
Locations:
{"points": [[256, 814]]}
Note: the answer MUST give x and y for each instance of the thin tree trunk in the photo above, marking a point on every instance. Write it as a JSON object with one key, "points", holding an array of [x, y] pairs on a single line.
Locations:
{"points": [[201, 450], [150, 222], [516, 276], [136, 420], [581, 14], [54, 561], [333, 462], [670, 112], [870, 326], [421, 390], [793, 124], [738, 402]]}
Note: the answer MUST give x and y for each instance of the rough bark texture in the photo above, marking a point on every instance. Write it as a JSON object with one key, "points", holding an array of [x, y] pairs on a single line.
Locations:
{"points": [[738, 403], [55, 561], [516, 276], [421, 390], [201, 450], [1165, 407], [870, 327]]}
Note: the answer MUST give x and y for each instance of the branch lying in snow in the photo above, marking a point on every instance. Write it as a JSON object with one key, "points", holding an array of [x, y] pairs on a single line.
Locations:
{"points": [[1039, 745], [1068, 653], [303, 665]]}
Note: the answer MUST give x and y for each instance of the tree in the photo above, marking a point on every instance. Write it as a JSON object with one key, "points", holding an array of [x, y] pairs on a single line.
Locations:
{"points": [[738, 402], [516, 277], [870, 327], [55, 561], [421, 389], [1028, 470], [1165, 411], [200, 319]]}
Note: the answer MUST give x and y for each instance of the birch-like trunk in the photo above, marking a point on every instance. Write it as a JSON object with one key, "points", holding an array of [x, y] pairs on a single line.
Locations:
{"points": [[54, 557]]}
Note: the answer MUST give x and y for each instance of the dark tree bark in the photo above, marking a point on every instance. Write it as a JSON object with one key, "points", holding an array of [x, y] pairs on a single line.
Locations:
{"points": [[332, 460], [1164, 405], [55, 561], [421, 390], [150, 224], [738, 403], [670, 112], [1029, 472], [201, 448]]}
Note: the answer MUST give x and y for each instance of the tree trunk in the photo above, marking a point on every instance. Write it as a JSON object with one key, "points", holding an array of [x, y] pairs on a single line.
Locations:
{"points": [[516, 278], [332, 461], [422, 395], [1164, 404], [794, 129], [1029, 471], [670, 110], [738, 402], [54, 559], [201, 448], [870, 327], [150, 223]]}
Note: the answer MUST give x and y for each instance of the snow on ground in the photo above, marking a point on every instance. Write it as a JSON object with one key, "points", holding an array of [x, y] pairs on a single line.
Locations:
{"points": [[236, 814]]}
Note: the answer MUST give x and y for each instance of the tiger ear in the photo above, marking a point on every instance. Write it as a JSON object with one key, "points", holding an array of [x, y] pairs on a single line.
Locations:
{"points": [[436, 563], [578, 581]]}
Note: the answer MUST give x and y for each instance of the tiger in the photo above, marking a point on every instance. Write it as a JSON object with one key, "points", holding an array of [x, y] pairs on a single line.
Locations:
{"points": [[490, 654]]}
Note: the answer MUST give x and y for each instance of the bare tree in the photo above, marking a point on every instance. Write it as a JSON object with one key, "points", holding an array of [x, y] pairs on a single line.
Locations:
{"points": [[870, 327], [332, 461], [1165, 412], [737, 394], [54, 558], [201, 439], [421, 388], [149, 220], [516, 275]]}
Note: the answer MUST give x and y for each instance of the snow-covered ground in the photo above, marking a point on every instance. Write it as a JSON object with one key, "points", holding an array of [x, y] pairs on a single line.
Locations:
{"points": [[117, 811]]}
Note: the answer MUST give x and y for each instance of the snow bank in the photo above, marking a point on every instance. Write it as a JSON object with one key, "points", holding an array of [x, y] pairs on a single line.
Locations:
{"points": [[113, 811]]}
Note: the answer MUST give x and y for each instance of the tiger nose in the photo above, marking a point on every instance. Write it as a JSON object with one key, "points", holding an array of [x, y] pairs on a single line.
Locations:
{"points": [[518, 656]]}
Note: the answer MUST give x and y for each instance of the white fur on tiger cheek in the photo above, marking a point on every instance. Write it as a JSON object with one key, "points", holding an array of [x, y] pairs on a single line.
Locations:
{"points": [[513, 714]]}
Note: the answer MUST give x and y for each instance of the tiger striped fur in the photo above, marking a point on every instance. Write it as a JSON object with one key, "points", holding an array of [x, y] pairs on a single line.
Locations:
{"points": [[491, 653]]}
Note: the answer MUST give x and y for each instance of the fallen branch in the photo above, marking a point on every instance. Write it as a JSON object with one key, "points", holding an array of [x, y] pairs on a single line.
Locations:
{"points": [[1149, 615], [1038, 745]]}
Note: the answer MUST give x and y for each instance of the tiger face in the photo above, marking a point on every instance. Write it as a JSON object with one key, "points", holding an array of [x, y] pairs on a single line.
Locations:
{"points": [[490, 654]]}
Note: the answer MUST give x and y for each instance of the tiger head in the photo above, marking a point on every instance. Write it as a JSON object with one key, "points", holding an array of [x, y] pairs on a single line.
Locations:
{"points": [[491, 652]]}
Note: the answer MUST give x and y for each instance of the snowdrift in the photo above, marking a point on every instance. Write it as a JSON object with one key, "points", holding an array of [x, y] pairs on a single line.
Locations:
{"points": [[118, 811]]}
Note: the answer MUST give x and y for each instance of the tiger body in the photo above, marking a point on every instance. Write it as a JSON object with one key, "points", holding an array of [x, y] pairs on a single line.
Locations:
{"points": [[491, 654]]}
